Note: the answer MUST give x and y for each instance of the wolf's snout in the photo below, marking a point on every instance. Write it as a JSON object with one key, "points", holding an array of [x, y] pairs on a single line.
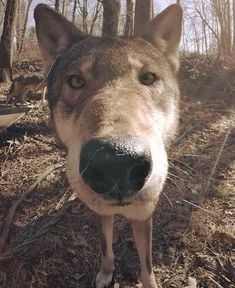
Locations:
{"points": [[115, 167]]}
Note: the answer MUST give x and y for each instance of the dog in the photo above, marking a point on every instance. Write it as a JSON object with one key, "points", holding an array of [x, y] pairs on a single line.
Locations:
{"points": [[24, 84], [114, 105]]}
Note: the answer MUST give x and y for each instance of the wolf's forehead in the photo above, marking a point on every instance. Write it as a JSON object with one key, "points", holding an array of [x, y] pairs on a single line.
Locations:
{"points": [[110, 58], [106, 56]]}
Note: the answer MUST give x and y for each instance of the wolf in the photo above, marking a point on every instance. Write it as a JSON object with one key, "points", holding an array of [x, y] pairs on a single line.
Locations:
{"points": [[114, 106], [24, 84]]}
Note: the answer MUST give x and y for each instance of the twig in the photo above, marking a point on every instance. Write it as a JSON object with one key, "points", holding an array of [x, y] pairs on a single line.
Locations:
{"points": [[58, 205], [11, 213], [216, 283], [197, 206], [217, 161], [182, 135], [183, 163], [168, 199], [42, 231]]}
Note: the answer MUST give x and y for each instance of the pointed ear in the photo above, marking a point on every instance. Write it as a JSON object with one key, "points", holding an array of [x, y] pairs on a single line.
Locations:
{"points": [[54, 32], [164, 32]]}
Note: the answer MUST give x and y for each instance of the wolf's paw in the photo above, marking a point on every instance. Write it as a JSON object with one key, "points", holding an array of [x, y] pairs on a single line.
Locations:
{"points": [[103, 280]]}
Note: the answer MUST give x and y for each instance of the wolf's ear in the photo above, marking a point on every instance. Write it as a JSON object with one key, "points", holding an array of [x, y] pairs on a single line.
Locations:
{"points": [[164, 32], [54, 32]]}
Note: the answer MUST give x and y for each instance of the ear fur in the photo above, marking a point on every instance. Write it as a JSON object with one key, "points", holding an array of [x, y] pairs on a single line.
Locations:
{"points": [[54, 32], [164, 32]]}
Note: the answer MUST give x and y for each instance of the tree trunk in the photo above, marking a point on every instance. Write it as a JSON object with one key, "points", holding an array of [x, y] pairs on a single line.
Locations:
{"points": [[57, 5], [2, 9], [129, 18], [143, 13], [204, 26], [24, 27], [63, 7], [18, 26], [228, 30], [84, 16], [234, 27], [95, 16], [111, 11], [222, 12], [74, 11], [6, 47]]}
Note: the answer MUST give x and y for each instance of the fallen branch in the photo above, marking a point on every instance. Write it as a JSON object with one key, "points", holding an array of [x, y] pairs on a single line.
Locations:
{"points": [[199, 207], [216, 162], [11, 213], [216, 283], [42, 231]]}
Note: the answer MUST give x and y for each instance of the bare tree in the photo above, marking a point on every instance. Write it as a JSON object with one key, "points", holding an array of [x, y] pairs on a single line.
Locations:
{"points": [[2, 8], [57, 5], [143, 13], [63, 7], [95, 15], [84, 13], [6, 50], [222, 12], [111, 11], [24, 27], [18, 24], [204, 26], [234, 27], [129, 18], [74, 10]]}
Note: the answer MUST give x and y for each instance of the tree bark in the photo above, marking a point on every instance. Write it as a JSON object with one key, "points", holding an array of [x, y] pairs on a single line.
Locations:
{"points": [[129, 18], [63, 7], [18, 25], [222, 12], [74, 11], [234, 27], [24, 27], [6, 47], [84, 16], [95, 16], [111, 11], [57, 5], [228, 30], [143, 13]]}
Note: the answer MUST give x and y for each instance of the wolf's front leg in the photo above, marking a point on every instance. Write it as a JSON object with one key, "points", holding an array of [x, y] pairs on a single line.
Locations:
{"points": [[143, 238], [105, 276]]}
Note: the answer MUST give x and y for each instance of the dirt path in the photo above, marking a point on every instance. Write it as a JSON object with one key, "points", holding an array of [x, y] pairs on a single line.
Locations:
{"points": [[53, 243]]}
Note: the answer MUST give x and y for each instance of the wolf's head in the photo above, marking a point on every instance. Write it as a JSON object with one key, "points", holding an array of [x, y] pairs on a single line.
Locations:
{"points": [[113, 102]]}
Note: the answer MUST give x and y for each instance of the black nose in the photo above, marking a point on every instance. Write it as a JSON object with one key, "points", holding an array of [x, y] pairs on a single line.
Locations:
{"points": [[115, 167]]}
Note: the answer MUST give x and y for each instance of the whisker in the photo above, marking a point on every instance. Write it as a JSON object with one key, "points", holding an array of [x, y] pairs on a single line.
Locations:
{"points": [[89, 161], [171, 174]]}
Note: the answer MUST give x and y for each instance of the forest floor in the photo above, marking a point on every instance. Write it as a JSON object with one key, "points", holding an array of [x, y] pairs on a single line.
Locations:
{"points": [[51, 240]]}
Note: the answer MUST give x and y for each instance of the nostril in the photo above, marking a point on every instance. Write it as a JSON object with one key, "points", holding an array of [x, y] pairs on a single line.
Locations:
{"points": [[97, 179], [95, 174], [139, 173]]}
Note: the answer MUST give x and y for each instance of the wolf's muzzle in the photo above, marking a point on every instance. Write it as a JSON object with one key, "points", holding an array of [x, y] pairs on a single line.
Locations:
{"points": [[115, 167]]}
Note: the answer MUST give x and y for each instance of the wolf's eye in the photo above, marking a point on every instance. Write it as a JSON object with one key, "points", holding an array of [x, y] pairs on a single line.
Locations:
{"points": [[148, 78], [76, 82]]}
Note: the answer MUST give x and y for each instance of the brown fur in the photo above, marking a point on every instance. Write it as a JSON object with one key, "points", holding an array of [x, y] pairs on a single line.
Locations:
{"points": [[113, 103]]}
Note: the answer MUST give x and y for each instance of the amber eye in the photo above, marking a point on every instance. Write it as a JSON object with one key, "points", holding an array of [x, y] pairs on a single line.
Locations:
{"points": [[76, 82], [148, 78]]}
